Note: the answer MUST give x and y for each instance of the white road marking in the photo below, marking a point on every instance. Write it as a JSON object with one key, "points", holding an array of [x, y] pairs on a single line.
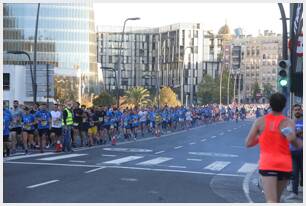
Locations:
{"points": [[41, 184], [191, 143], [124, 167], [177, 171], [203, 140], [213, 154], [155, 161], [235, 128], [178, 147], [212, 137], [198, 160], [129, 179], [222, 133], [217, 165], [229, 130], [77, 161], [127, 149], [248, 167], [105, 155], [123, 160], [245, 186], [159, 152], [28, 156], [93, 170], [174, 166], [61, 157]]}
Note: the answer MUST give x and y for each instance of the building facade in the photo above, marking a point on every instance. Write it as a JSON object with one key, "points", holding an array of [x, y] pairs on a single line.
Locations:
{"points": [[175, 55], [66, 40], [259, 58]]}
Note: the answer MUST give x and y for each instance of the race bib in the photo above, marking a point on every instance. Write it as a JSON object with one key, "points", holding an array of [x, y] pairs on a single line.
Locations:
{"points": [[27, 127], [57, 122], [112, 126], [84, 120], [75, 124], [100, 119], [91, 124], [44, 123]]}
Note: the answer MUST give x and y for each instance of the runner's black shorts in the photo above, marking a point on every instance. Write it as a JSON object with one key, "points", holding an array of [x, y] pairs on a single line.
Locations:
{"points": [[29, 131], [17, 130], [56, 131], [42, 132], [279, 174]]}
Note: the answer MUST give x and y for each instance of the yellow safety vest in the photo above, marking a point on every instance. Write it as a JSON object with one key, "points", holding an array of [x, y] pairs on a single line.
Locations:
{"points": [[69, 119]]}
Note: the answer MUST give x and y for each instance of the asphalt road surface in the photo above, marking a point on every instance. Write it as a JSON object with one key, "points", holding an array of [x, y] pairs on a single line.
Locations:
{"points": [[207, 164]]}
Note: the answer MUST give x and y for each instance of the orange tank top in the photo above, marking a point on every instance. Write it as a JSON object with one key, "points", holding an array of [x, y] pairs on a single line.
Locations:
{"points": [[274, 147]]}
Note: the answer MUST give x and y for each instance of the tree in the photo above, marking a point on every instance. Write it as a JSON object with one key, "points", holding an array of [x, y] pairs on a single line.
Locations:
{"points": [[255, 90], [168, 97], [207, 90], [137, 96], [104, 99], [268, 90]]}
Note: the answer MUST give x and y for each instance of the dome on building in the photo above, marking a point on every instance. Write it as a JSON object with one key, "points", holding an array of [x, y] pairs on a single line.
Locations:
{"points": [[224, 30]]}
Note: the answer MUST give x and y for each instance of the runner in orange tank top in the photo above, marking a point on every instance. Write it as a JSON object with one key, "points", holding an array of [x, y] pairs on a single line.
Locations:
{"points": [[273, 132]]}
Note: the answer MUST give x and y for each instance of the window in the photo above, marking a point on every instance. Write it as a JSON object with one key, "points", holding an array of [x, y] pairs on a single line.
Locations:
{"points": [[110, 60], [6, 81]]}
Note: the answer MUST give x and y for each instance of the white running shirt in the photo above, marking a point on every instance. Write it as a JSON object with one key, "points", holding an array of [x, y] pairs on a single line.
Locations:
{"points": [[56, 119]]}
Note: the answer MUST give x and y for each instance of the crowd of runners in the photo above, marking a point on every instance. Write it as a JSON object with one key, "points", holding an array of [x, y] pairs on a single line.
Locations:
{"points": [[37, 128]]}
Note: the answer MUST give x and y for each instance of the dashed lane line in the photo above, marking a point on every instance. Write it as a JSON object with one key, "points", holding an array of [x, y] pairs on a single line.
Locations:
{"points": [[41, 184]]}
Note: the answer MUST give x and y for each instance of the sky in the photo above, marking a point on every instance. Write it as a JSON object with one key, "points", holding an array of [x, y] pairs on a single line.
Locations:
{"points": [[251, 17]]}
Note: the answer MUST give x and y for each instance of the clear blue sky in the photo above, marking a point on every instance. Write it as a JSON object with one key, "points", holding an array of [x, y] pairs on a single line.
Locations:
{"points": [[251, 17]]}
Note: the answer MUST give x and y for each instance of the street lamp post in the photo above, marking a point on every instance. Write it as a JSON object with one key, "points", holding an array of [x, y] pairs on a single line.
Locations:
{"points": [[120, 59], [35, 51], [34, 84], [182, 76]]}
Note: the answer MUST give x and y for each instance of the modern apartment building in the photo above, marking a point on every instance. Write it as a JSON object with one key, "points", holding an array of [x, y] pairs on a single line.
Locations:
{"points": [[175, 55]]}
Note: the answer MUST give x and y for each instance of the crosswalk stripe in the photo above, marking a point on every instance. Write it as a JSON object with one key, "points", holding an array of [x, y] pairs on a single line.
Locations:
{"points": [[155, 161], [217, 165], [248, 167], [28, 156], [61, 157], [123, 160]]}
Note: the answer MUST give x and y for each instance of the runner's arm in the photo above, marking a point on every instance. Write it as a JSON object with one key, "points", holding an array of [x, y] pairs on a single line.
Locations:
{"points": [[252, 138]]}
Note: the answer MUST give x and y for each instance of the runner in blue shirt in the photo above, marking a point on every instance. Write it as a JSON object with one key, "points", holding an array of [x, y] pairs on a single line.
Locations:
{"points": [[28, 128], [43, 118], [152, 120], [7, 119], [125, 124], [135, 123]]}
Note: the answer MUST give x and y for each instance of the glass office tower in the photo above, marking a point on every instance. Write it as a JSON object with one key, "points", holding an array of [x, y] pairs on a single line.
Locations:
{"points": [[66, 40]]}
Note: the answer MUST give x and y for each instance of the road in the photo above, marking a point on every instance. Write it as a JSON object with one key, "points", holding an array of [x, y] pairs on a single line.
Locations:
{"points": [[207, 164]]}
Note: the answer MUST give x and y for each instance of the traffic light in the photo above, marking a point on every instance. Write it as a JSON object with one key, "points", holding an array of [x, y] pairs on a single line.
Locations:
{"points": [[283, 72]]}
